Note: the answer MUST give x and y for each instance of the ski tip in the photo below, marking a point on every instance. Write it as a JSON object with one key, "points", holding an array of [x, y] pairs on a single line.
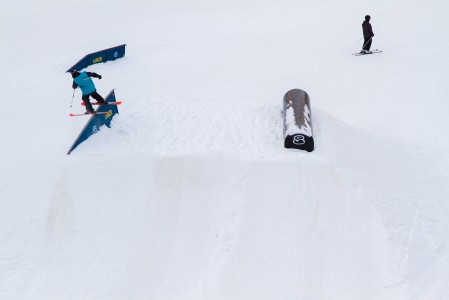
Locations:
{"points": [[77, 115], [114, 103]]}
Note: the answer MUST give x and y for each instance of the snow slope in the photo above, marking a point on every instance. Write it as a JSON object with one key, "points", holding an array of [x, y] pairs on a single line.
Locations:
{"points": [[190, 194]]}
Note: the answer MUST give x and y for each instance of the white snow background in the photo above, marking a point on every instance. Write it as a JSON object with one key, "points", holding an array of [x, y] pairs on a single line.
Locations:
{"points": [[190, 194]]}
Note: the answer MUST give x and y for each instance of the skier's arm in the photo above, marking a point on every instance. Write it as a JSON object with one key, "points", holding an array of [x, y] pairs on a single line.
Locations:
{"points": [[92, 74], [371, 30]]}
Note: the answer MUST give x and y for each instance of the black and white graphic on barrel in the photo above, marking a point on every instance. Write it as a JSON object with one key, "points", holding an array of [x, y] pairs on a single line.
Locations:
{"points": [[297, 121], [299, 139]]}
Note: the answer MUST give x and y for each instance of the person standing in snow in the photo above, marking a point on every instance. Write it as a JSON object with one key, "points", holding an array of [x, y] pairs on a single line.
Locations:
{"points": [[84, 82], [367, 35]]}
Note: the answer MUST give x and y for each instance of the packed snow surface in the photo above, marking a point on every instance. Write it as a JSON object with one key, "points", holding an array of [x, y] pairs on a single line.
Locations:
{"points": [[190, 194]]}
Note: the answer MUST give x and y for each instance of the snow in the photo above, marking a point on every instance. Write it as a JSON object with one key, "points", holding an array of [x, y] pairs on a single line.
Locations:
{"points": [[291, 120], [190, 194]]}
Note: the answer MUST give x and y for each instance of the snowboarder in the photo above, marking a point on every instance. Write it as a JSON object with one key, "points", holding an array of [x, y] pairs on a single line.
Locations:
{"points": [[367, 35], [88, 89]]}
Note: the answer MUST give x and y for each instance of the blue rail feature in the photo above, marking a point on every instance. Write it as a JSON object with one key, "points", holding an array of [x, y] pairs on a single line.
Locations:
{"points": [[99, 57], [96, 121]]}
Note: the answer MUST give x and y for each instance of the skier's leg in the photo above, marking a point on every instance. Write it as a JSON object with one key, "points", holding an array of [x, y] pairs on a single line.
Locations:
{"points": [[368, 46], [86, 101], [97, 97], [366, 42]]}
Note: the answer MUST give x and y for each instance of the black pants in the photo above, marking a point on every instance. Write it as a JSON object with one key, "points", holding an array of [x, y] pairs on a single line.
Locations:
{"points": [[367, 43], [86, 100]]}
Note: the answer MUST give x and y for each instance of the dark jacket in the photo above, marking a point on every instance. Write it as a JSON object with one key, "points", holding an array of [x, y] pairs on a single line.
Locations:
{"points": [[367, 30]]}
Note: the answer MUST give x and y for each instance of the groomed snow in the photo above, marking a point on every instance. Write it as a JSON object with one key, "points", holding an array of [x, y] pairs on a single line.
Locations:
{"points": [[190, 194]]}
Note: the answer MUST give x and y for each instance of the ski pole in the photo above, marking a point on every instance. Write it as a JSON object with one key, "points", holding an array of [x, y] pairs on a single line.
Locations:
{"points": [[367, 42], [71, 103], [355, 43]]}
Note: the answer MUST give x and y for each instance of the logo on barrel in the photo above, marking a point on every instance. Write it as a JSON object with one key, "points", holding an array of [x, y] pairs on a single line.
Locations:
{"points": [[299, 139]]}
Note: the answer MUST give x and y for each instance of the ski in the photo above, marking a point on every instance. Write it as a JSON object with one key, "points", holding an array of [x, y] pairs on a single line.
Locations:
{"points": [[109, 103], [373, 52], [97, 113]]}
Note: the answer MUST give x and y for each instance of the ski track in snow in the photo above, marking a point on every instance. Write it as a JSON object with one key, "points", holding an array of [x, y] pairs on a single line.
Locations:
{"points": [[196, 127]]}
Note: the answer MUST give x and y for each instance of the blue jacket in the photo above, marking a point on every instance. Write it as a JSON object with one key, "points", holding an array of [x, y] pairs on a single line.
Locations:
{"points": [[85, 83]]}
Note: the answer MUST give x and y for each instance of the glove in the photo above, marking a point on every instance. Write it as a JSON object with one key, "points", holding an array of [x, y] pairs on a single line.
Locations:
{"points": [[99, 76]]}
